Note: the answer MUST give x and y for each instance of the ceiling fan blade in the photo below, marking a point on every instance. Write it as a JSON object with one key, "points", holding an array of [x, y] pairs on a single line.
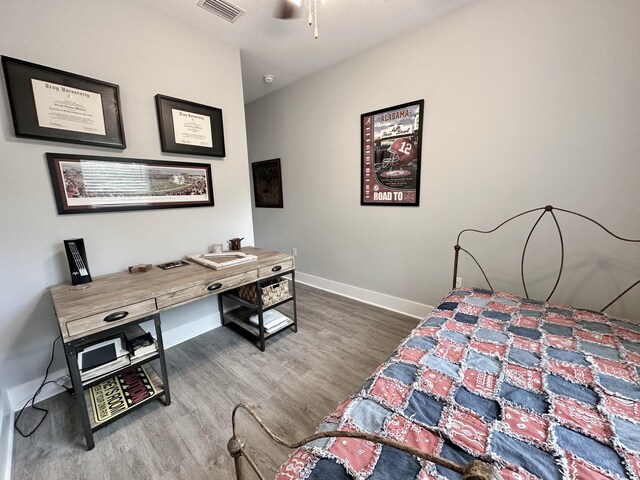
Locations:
{"points": [[285, 10]]}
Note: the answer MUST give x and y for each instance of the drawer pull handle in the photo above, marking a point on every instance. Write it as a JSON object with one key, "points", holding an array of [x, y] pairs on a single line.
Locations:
{"points": [[277, 268], [116, 316], [214, 286]]}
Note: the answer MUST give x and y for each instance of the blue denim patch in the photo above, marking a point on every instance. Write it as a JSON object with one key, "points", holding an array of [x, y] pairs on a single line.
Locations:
{"points": [[403, 372], [615, 385], [503, 317], [424, 408], [631, 346], [530, 313], [561, 386], [459, 293], [482, 362], [492, 335], [456, 336], [567, 356], [442, 366], [628, 325], [447, 306], [559, 311], [434, 322], [488, 409], [326, 468], [524, 398], [478, 302], [530, 333], [523, 357], [532, 302], [367, 384], [505, 301], [560, 330], [483, 291], [531, 458], [596, 327], [591, 450], [628, 432], [456, 455], [423, 343], [600, 350], [466, 318], [391, 462], [322, 442]]}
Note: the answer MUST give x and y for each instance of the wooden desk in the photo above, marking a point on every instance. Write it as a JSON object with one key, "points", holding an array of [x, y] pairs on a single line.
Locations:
{"points": [[112, 303]]}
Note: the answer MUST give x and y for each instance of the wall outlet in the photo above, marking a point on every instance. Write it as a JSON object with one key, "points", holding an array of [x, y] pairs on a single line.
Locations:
{"points": [[458, 282], [294, 251], [64, 382]]}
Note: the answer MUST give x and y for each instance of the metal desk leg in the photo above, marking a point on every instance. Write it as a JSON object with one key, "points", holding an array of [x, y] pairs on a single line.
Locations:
{"points": [[163, 364], [221, 309], [295, 309], [76, 381], [260, 315]]}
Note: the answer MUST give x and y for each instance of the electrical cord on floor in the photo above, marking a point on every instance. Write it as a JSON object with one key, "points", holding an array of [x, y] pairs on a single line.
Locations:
{"points": [[33, 399]]}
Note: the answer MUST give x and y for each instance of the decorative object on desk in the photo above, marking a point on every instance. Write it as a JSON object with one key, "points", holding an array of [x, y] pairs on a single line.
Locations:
{"points": [[234, 243], [218, 261], [215, 248], [116, 395], [51, 104], [77, 258], [391, 155], [141, 267], [89, 184], [190, 128], [267, 184], [272, 292], [174, 264]]}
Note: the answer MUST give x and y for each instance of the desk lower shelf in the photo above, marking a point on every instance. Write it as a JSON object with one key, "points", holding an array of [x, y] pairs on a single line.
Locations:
{"points": [[240, 316]]}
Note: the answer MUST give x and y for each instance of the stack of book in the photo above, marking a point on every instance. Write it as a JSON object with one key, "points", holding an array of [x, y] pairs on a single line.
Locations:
{"points": [[273, 320], [102, 358]]}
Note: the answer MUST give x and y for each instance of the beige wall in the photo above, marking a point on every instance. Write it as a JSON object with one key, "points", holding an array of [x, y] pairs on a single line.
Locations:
{"points": [[527, 104], [145, 53]]}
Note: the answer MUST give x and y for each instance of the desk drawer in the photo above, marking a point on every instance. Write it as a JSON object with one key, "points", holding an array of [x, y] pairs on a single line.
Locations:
{"points": [[208, 288], [100, 321], [274, 269]]}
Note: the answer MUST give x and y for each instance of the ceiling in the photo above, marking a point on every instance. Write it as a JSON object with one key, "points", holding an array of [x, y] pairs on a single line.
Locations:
{"points": [[287, 48]]}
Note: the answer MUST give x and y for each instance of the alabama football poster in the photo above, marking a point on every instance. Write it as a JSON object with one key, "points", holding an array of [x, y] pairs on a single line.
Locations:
{"points": [[391, 155]]}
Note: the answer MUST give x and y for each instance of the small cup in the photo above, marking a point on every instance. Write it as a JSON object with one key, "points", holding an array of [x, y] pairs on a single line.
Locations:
{"points": [[216, 248]]}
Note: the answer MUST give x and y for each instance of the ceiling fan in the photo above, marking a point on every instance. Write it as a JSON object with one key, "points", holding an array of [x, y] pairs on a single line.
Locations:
{"points": [[287, 9]]}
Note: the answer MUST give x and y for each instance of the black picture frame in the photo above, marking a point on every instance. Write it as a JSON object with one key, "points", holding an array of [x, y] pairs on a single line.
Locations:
{"points": [[184, 138], [267, 184], [391, 155], [90, 184], [90, 114]]}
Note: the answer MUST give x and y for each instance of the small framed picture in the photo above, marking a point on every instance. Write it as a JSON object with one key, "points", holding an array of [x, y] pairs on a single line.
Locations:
{"points": [[50, 104], [90, 184], [190, 128], [267, 184]]}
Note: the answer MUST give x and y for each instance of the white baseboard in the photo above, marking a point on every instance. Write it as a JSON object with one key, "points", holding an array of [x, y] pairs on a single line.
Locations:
{"points": [[400, 305], [6, 436]]}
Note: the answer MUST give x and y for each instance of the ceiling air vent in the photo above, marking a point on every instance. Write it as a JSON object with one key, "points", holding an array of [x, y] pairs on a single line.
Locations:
{"points": [[226, 10]]}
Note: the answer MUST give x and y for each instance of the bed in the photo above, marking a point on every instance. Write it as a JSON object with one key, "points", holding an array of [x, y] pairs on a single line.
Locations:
{"points": [[488, 385]]}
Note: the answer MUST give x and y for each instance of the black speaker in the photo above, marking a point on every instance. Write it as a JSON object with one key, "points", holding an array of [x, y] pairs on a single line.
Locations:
{"points": [[77, 258]]}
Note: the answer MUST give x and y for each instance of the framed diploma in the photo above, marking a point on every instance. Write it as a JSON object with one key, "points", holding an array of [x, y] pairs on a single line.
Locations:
{"points": [[50, 104], [391, 141], [189, 128], [90, 184]]}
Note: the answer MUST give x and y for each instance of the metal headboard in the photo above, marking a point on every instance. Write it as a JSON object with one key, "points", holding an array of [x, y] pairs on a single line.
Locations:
{"points": [[545, 210]]}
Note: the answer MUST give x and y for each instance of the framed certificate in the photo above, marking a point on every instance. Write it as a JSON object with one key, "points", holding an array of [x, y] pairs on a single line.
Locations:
{"points": [[190, 128], [50, 104]]}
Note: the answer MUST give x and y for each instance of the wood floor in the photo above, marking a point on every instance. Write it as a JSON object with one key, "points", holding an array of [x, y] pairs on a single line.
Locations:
{"points": [[298, 380]]}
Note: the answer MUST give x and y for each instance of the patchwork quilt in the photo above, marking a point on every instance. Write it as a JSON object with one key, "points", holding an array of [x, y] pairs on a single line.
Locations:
{"points": [[541, 391]]}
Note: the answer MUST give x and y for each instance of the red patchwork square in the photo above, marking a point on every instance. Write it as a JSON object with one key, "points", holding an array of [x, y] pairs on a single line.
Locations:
{"points": [[459, 327], [450, 350], [608, 340], [571, 371], [407, 432], [589, 316], [525, 424], [526, 344], [435, 382], [445, 313], [622, 406], [528, 322], [628, 335], [566, 343], [426, 331], [359, 455], [523, 377], [492, 324], [501, 307], [585, 418], [410, 355], [389, 391], [425, 475], [617, 369], [337, 414], [469, 309], [483, 296], [580, 469], [489, 348], [513, 472], [633, 357], [295, 466], [468, 429], [454, 298], [508, 296], [559, 319], [479, 382], [633, 461]]}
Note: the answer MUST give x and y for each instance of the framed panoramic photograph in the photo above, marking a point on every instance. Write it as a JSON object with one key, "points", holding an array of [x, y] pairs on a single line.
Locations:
{"points": [[50, 104], [391, 155], [267, 183], [190, 128], [89, 184]]}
